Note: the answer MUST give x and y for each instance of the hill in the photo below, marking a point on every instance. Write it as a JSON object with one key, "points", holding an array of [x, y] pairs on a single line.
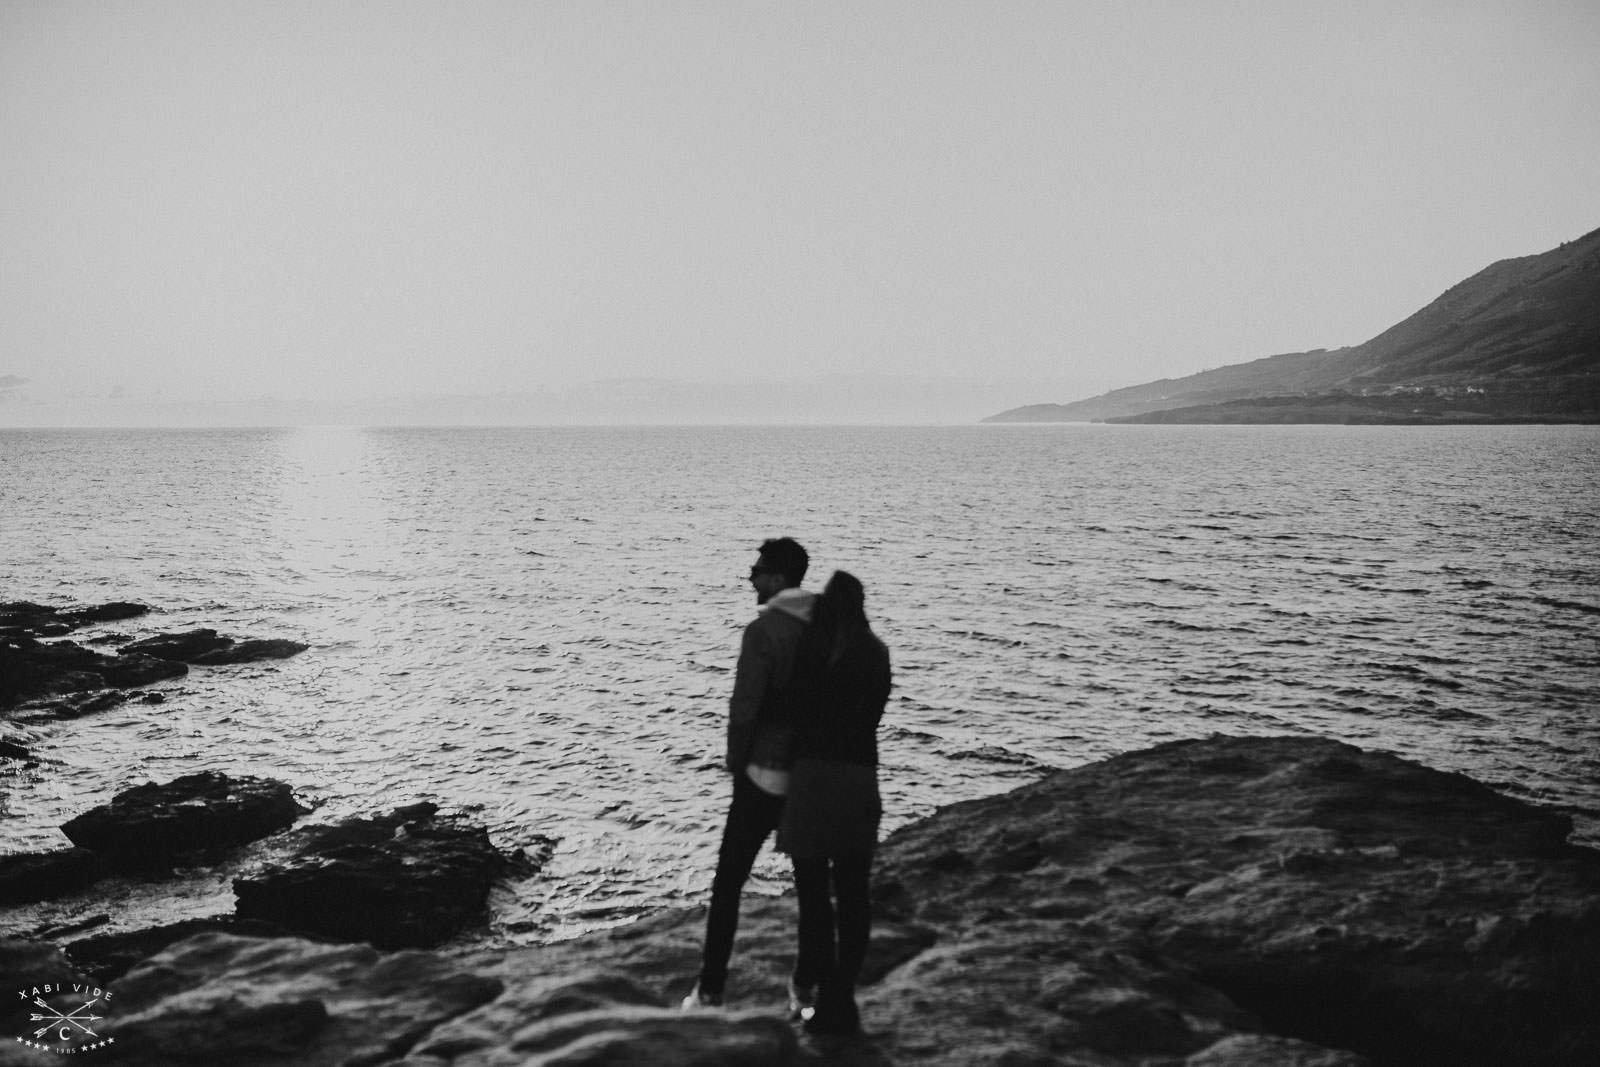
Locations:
{"points": [[1518, 341]]}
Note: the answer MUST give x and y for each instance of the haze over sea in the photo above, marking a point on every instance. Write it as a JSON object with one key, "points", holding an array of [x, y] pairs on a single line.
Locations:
{"points": [[537, 626]]}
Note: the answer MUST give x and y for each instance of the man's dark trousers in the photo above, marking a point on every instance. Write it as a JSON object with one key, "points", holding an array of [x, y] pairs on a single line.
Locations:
{"points": [[752, 816]]}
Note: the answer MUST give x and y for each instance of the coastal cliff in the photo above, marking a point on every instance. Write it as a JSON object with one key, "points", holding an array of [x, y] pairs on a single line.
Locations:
{"points": [[1244, 901], [1519, 341]]}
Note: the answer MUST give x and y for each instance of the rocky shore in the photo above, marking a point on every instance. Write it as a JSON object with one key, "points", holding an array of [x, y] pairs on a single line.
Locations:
{"points": [[1223, 902], [46, 675]]}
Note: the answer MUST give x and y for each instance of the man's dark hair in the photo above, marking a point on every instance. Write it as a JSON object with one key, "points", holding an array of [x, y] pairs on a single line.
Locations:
{"points": [[784, 555]]}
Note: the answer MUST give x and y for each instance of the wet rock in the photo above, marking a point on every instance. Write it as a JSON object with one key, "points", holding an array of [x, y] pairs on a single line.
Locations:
{"points": [[397, 881], [64, 681], [33, 670], [18, 617], [87, 703], [113, 611], [179, 647], [206, 646], [209, 648], [218, 998], [24, 613], [131, 670], [73, 705], [249, 651], [36, 876], [152, 824]]}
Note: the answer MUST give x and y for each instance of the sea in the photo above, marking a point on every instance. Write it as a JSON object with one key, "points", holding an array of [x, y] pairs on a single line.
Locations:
{"points": [[536, 627]]}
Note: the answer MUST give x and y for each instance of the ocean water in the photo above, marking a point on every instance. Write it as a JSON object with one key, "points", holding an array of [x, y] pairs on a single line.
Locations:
{"points": [[537, 626]]}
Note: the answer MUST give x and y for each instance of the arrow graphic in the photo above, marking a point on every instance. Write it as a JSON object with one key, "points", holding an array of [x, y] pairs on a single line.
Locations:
{"points": [[72, 1017]]}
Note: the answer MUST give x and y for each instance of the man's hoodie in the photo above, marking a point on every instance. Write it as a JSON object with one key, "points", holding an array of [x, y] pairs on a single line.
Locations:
{"points": [[766, 654]]}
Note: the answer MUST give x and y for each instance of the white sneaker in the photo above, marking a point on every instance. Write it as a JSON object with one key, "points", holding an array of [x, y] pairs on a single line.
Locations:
{"points": [[697, 1000], [802, 1002]]}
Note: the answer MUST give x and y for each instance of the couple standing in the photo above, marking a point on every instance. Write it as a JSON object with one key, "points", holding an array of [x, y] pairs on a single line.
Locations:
{"points": [[811, 685]]}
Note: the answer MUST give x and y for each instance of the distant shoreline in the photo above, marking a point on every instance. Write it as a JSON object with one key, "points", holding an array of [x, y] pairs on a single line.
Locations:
{"points": [[1333, 409]]}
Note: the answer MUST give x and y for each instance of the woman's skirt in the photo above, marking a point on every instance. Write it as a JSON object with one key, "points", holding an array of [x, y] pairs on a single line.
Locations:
{"points": [[831, 809]]}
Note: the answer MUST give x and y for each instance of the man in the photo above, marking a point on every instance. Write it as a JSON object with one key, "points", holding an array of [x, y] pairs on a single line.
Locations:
{"points": [[757, 757]]}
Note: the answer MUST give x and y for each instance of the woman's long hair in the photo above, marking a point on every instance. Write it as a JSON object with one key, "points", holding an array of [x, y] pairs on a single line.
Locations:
{"points": [[845, 607], [847, 600]]}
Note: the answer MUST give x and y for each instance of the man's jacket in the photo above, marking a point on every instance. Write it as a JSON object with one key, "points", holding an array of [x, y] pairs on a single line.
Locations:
{"points": [[766, 654]]}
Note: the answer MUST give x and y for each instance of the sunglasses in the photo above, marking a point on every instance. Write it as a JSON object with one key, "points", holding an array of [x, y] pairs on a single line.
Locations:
{"points": [[758, 570]]}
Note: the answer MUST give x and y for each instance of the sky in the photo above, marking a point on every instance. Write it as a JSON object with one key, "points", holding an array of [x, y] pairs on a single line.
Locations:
{"points": [[219, 211]]}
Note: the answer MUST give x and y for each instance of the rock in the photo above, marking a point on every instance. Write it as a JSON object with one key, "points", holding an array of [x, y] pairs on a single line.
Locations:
{"points": [[1168, 908], [1050, 989], [221, 999], [23, 612], [114, 611], [27, 963], [64, 682], [77, 925], [645, 965], [601, 1018], [405, 880], [152, 824], [129, 670], [25, 621], [35, 876], [26, 617], [1264, 1050], [107, 957], [528, 1002], [1340, 896], [178, 647], [33, 670], [77, 705], [29, 669], [1232, 902], [26, 966], [250, 651]]}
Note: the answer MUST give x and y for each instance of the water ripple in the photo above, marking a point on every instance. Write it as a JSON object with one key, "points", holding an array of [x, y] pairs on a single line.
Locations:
{"points": [[538, 625]]}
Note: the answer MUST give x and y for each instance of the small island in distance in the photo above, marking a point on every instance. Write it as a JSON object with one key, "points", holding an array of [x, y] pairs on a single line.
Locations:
{"points": [[1517, 342]]}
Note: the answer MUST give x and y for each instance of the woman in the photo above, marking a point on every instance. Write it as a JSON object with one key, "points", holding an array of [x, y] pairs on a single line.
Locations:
{"points": [[830, 819]]}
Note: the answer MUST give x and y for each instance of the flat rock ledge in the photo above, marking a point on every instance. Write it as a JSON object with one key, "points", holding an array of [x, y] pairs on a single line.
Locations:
{"points": [[1228, 902]]}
